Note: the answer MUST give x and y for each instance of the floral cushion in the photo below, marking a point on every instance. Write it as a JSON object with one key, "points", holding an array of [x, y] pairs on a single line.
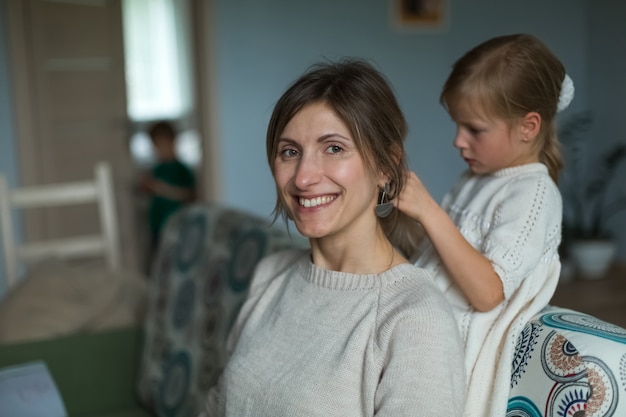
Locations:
{"points": [[569, 364], [199, 280]]}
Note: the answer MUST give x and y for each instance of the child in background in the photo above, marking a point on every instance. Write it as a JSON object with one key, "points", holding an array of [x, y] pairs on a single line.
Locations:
{"points": [[170, 183], [492, 244]]}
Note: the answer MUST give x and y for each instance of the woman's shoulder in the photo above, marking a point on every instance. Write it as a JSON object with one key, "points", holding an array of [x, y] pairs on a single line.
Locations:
{"points": [[281, 259], [272, 265], [411, 288], [414, 304]]}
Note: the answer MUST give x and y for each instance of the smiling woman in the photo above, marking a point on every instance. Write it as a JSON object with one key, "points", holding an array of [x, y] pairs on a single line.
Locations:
{"points": [[348, 327]]}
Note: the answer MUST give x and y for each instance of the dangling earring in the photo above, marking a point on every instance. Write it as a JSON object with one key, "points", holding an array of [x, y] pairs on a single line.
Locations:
{"points": [[384, 206]]}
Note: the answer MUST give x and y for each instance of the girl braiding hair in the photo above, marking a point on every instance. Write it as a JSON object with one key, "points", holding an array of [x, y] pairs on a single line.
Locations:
{"points": [[492, 244]]}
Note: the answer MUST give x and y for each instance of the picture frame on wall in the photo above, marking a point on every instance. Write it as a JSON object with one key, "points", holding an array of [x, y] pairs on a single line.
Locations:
{"points": [[420, 15]]}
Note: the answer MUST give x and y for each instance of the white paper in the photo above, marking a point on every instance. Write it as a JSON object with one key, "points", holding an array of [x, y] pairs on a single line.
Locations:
{"points": [[28, 390]]}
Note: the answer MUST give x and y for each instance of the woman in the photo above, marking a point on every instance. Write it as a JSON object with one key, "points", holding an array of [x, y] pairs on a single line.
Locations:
{"points": [[349, 327]]}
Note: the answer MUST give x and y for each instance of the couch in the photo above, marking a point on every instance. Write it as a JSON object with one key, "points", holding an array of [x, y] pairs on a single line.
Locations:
{"points": [[163, 363]]}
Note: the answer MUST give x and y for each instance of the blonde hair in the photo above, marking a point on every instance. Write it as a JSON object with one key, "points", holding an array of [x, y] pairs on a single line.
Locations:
{"points": [[363, 99], [508, 77]]}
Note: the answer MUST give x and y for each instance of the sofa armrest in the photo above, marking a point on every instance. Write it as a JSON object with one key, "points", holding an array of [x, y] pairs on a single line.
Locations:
{"points": [[568, 362]]}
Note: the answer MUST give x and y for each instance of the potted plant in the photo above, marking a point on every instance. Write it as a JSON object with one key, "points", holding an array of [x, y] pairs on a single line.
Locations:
{"points": [[589, 200]]}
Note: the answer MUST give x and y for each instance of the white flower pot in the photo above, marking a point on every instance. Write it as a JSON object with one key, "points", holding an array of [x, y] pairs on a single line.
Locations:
{"points": [[592, 257]]}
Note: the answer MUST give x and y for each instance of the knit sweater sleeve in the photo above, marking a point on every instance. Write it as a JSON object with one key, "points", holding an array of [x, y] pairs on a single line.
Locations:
{"points": [[420, 352], [267, 269], [525, 229]]}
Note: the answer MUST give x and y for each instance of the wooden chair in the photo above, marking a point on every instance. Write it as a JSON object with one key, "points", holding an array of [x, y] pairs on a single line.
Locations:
{"points": [[98, 191]]}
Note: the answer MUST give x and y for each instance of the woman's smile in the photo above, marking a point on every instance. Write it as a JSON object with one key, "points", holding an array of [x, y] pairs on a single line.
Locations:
{"points": [[316, 201]]}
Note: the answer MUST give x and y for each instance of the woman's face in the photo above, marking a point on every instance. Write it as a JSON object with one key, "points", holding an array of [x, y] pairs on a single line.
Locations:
{"points": [[323, 180]]}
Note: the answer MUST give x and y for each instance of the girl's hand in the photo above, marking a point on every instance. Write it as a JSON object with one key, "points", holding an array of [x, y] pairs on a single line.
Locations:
{"points": [[414, 200], [466, 266]]}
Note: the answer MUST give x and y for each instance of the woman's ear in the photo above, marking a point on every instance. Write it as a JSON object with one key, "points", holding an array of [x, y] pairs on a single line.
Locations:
{"points": [[530, 126], [383, 179]]}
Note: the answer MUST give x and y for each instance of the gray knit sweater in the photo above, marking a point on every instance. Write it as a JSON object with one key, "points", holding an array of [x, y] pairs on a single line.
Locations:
{"points": [[314, 342]]}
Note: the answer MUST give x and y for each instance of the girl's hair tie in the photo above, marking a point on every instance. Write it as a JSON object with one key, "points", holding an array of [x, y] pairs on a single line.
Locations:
{"points": [[566, 95]]}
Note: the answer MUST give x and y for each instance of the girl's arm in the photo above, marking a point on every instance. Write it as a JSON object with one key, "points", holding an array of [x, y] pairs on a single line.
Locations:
{"points": [[467, 267]]}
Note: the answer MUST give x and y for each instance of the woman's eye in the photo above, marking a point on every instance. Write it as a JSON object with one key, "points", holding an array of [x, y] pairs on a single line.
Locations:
{"points": [[334, 149], [289, 153]]}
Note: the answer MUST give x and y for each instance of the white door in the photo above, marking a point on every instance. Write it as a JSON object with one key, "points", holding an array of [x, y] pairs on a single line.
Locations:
{"points": [[68, 66]]}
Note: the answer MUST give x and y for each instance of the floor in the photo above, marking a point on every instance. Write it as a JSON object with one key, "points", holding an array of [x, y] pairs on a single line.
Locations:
{"points": [[604, 298]]}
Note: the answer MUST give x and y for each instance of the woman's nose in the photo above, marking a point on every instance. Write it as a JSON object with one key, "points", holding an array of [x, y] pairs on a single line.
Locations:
{"points": [[308, 172]]}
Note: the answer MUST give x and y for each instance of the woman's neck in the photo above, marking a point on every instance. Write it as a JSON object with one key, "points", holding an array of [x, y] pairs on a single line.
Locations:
{"points": [[371, 254]]}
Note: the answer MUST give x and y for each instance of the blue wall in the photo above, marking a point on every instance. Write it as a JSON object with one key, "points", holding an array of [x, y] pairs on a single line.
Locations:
{"points": [[607, 91], [7, 135]]}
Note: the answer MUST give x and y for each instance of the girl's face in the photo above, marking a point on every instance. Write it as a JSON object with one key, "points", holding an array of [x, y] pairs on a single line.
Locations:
{"points": [[489, 144], [321, 176]]}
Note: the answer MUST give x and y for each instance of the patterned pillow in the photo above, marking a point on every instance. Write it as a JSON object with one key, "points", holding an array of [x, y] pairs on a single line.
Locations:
{"points": [[568, 364], [199, 280]]}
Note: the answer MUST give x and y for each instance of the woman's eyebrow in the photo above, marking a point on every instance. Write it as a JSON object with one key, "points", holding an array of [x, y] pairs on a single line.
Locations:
{"points": [[286, 139], [333, 135]]}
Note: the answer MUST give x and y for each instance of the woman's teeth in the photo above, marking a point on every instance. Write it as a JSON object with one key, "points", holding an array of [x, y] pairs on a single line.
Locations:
{"points": [[313, 202]]}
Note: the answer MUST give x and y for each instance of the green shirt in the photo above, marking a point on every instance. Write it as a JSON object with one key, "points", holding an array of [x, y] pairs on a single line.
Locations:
{"points": [[173, 173]]}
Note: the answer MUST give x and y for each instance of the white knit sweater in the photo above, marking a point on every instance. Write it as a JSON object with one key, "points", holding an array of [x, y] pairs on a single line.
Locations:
{"points": [[513, 217], [314, 342]]}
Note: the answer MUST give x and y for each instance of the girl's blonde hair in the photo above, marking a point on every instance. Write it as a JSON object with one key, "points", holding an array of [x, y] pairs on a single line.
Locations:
{"points": [[508, 77]]}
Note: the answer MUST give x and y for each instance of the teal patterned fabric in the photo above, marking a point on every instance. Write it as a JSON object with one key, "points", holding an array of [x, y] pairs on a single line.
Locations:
{"points": [[199, 280], [569, 364]]}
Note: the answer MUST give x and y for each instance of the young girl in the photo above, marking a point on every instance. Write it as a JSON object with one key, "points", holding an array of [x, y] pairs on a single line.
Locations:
{"points": [[349, 327], [492, 245]]}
